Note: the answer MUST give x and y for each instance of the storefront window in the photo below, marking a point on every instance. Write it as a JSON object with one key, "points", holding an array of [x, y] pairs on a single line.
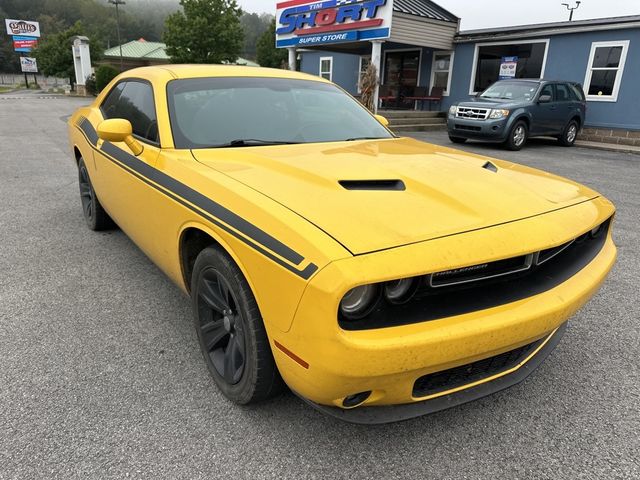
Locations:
{"points": [[441, 70], [530, 62], [606, 65], [326, 68]]}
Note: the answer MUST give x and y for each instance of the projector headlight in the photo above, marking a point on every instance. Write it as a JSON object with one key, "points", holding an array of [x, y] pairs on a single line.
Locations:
{"points": [[360, 301]]}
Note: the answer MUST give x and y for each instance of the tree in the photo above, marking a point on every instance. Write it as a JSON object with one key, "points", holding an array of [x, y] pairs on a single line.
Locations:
{"points": [[54, 53], [206, 31], [254, 26], [268, 54]]}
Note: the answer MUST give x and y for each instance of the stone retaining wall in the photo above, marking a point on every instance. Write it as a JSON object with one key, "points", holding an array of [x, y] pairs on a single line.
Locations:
{"points": [[611, 135]]}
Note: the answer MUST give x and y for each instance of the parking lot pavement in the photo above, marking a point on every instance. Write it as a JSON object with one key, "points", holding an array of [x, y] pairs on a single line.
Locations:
{"points": [[101, 376]]}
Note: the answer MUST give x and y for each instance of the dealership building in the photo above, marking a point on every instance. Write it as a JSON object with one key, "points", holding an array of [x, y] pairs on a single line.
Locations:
{"points": [[419, 51]]}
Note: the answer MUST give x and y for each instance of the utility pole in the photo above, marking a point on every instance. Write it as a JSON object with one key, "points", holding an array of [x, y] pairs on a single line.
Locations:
{"points": [[116, 3], [571, 9]]}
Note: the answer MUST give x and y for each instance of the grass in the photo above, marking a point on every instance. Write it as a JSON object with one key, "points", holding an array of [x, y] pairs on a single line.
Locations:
{"points": [[5, 89]]}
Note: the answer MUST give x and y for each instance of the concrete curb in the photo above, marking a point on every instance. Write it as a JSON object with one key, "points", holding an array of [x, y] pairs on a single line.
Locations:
{"points": [[610, 147]]}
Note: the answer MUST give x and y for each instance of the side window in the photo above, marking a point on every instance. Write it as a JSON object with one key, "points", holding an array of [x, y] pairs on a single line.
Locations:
{"points": [[547, 90], [136, 105], [577, 91], [109, 105], [133, 101], [563, 94]]}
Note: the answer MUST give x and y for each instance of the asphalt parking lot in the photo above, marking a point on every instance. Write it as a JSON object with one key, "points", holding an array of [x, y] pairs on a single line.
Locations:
{"points": [[101, 375]]}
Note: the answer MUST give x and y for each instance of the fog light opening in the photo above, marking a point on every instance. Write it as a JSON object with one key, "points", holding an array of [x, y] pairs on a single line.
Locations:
{"points": [[356, 399]]}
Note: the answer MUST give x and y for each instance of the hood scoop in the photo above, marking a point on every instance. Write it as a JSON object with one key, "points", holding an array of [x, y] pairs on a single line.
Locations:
{"points": [[376, 185], [490, 166]]}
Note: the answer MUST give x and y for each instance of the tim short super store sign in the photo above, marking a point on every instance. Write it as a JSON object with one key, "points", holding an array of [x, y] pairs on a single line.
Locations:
{"points": [[301, 22]]}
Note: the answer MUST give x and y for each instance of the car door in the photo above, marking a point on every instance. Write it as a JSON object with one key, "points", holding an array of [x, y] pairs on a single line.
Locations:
{"points": [[128, 198], [544, 121]]}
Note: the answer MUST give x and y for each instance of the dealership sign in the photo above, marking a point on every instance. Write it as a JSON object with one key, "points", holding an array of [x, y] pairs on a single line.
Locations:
{"points": [[22, 27], [24, 44], [28, 65], [303, 23]]}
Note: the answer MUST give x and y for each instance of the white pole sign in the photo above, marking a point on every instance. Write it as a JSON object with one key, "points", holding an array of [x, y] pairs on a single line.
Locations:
{"points": [[28, 65], [22, 27]]}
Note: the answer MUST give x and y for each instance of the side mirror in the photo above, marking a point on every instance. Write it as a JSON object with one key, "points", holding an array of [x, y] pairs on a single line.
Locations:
{"points": [[382, 120], [119, 130], [544, 99]]}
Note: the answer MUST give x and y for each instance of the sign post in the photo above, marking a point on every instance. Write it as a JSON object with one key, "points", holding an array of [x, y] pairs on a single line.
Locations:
{"points": [[25, 36]]}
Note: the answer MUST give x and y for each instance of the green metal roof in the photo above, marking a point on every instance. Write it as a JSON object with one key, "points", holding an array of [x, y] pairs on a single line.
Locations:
{"points": [[139, 49]]}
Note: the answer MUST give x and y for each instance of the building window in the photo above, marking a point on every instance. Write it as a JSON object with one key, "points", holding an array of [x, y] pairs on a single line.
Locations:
{"points": [[365, 60], [441, 71], [605, 69], [326, 68], [530, 57]]}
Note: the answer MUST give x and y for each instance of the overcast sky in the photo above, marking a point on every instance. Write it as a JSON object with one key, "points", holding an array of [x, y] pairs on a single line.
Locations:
{"points": [[497, 13]]}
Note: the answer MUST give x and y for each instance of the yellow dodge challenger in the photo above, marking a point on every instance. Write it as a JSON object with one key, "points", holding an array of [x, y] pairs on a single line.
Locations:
{"points": [[379, 278]]}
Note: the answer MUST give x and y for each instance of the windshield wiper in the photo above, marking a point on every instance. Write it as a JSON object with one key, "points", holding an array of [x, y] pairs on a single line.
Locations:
{"points": [[252, 142], [363, 138]]}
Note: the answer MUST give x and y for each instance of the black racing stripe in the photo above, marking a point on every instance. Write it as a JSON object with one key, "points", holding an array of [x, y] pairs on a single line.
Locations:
{"points": [[90, 132], [203, 202], [87, 128]]}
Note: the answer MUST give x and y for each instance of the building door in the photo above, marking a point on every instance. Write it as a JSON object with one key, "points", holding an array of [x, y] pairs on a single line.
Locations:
{"points": [[401, 76]]}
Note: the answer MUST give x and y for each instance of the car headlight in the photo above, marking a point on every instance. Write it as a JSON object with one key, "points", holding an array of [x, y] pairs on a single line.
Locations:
{"points": [[399, 291], [453, 109], [498, 113], [360, 301]]}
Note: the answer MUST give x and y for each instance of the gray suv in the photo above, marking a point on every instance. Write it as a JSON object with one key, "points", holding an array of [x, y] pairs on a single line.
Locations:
{"points": [[511, 111]]}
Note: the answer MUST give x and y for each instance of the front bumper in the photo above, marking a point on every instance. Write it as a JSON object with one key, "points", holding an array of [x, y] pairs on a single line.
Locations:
{"points": [[396, 413], [389, 361], [488, 130]]}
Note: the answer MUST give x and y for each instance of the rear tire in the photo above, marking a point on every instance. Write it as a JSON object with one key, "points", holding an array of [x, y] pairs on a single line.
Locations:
{"points": [[95, 216], [457, 139], [517, 136], [569, 135], [230, 330]]}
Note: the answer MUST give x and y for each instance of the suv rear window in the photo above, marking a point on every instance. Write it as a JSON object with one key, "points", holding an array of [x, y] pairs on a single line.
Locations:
{"points": [[576, 89]]}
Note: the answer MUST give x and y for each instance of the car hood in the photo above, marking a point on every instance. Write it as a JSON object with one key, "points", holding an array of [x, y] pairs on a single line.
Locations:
{"points": [[445, 191]]}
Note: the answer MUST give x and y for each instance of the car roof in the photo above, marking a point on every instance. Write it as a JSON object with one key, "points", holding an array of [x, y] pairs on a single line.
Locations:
{"points": [[183, 71]]}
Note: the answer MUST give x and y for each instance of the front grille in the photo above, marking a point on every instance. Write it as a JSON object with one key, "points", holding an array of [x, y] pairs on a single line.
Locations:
{"points": [[478, 287], [472, 113], [472, 372]]}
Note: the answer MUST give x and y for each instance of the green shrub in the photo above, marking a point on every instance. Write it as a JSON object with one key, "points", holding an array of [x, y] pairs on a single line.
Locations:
{"points": [[104, 74]]}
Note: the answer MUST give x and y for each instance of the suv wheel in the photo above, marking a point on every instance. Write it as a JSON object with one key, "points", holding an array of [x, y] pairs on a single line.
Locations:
{"points": [[568, 137], [517, 136]]}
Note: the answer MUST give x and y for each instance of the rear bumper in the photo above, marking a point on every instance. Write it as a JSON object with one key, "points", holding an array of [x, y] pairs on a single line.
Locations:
{"points": [[488, 130], [395, 413]]}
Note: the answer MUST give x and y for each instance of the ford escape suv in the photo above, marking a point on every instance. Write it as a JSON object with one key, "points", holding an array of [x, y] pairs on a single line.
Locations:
{"points": [[511, 111]]}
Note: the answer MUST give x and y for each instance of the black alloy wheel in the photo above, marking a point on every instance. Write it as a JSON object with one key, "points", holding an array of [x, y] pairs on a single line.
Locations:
{"points": [[231, 333], [221, 331], [95, 216]]}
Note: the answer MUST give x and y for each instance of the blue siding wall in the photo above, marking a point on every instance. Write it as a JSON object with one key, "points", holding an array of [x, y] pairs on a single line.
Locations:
{"points": [[345, 68], [567, 59]]}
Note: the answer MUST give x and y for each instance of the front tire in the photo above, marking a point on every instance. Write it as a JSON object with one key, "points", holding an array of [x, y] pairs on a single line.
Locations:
{"points": [[457, 139], [230, 330], [95, 216], [517, 136], [570, 134]]}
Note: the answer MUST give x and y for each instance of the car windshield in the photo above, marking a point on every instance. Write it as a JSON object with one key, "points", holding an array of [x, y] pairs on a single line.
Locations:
{"points": [[255, 111], [517, 91]]}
